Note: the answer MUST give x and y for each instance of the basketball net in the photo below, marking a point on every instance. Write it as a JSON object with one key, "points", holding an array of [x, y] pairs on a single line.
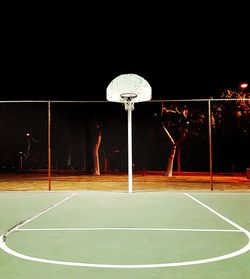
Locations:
{"points": [[128, 100], [128, 104]]}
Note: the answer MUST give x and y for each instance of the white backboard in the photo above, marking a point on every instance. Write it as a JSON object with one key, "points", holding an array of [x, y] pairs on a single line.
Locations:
{"points": [[129, 83]]}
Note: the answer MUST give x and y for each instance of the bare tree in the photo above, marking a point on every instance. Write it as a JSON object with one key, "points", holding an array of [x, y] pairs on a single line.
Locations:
{"points": [[175, 124]]}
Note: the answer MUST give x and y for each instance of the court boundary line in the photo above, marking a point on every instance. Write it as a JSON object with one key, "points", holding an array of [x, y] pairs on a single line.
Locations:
{"points": [[21, 224], [244, 249], [218, 214]]}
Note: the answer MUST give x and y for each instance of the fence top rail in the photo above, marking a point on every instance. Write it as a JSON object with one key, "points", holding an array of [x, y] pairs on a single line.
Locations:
{"points": [[100, 101], [201, 100], [51, 101]]}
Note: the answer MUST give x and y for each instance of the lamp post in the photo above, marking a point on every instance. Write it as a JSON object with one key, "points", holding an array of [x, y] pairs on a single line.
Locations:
{"points": [[21, 160]]}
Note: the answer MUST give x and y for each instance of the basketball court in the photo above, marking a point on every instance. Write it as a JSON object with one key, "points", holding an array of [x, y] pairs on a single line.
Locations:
{"points": [[95, 234]]}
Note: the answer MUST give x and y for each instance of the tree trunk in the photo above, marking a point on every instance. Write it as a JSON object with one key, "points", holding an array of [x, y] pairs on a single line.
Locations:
{"points": [[169, 169], [178, 159], [96, 156]]}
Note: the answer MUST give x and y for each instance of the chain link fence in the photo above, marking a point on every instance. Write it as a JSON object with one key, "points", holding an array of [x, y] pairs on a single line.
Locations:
{"points": [[177, 145]]}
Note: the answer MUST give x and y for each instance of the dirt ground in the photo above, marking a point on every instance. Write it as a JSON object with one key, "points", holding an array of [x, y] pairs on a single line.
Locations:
{"points": [[145, 181]]}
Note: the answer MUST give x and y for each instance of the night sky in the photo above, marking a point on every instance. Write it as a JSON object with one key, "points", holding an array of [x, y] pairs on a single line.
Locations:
{"points": [[184, 60], [51, 76]]}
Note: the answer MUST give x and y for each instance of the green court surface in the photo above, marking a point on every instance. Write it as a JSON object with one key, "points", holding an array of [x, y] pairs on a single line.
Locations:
{"points": [[118, 235]]}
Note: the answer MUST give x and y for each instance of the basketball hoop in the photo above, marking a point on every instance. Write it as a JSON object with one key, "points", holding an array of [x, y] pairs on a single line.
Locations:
{"points": [[128, 100], [129, 89]]}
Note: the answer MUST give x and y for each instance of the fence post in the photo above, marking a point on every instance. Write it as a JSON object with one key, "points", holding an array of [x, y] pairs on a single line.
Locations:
{"points": [[210, 144], [49, 147]]}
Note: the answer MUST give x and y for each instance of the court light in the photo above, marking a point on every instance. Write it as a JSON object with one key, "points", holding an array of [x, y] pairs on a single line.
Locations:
{"points": [[243, 85]]}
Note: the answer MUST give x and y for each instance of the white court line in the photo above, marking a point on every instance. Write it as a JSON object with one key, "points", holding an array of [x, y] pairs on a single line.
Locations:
{"points": [[218, 214], [245, 249], [38, 215], [129, 229]]}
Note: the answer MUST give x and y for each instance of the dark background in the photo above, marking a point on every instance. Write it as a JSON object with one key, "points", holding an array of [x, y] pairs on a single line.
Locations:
{"points": [[72, 53], [66, 52]]}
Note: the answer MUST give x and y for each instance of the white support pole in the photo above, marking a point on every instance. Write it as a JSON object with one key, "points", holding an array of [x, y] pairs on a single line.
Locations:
{"points": [[130, 179]]}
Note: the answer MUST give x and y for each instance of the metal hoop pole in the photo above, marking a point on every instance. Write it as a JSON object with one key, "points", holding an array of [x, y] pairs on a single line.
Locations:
{"points": [[130, 172]]}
